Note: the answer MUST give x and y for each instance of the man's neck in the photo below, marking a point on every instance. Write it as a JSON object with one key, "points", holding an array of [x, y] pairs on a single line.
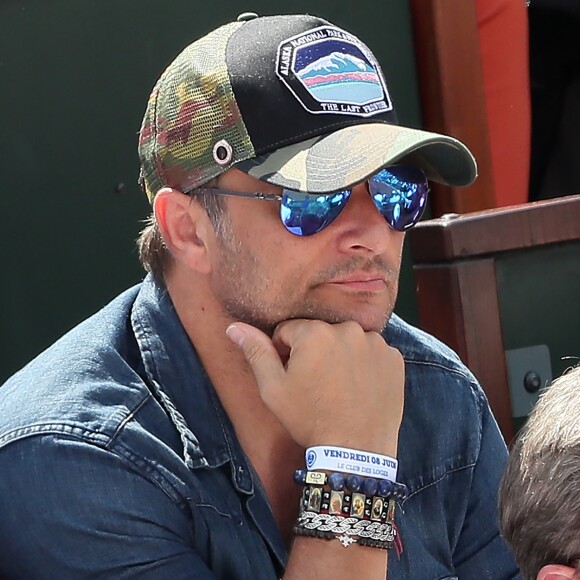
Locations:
{"points": [[267, 444]]}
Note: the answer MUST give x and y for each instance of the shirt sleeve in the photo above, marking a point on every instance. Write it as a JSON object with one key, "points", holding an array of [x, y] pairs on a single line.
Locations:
{"points": [[481, 552], [74, 510]]}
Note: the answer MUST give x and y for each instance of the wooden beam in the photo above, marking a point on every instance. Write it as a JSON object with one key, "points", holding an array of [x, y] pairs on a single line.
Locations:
{"points": [[499, 230], [452, 93], [458, 304]]}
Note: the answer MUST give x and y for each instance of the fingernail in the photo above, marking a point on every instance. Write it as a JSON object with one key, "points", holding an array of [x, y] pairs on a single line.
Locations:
{"points": [[235, 334]]}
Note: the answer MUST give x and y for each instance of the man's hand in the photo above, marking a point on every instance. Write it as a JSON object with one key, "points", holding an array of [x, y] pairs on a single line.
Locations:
{"points": [[326, 383]]}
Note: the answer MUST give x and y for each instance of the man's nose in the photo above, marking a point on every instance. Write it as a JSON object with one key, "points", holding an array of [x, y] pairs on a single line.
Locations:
{"points": [[361, 226]]}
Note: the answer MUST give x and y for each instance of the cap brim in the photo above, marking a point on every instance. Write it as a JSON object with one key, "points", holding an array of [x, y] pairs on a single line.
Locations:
{"points": [[346, 157]]}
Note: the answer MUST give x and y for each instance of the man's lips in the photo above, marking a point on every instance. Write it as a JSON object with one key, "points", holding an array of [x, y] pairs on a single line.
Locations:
{"points": [[365, 282]]}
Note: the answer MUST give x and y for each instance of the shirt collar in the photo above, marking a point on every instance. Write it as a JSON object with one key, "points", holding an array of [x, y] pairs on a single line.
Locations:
{"points": [[182, 386]]}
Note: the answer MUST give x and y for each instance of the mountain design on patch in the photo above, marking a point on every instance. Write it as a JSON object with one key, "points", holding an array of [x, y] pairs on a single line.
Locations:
{"points": [[336, 62], [342, 78]]}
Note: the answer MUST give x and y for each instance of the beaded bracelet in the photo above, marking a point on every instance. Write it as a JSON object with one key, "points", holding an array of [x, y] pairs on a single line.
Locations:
{"points": [[369, 486]]}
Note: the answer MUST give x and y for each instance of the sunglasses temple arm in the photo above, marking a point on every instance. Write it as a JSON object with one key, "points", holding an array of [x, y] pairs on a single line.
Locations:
{"points": [[246, 194]]}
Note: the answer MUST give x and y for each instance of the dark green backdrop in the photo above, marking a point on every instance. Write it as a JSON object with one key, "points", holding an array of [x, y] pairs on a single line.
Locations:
{"points": [[538, 294], [74, 79]]}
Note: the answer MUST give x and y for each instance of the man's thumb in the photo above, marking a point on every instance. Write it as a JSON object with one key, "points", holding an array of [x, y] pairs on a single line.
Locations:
{"points": [[258, 350]]}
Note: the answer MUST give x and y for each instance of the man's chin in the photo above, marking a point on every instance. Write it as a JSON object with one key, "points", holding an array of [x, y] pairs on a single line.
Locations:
{"points": [[374, 322], [370, 318], [372, 311]]}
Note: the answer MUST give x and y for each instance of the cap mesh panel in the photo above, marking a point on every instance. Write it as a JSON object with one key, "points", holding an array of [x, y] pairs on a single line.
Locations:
{"points": [[191, 108]]}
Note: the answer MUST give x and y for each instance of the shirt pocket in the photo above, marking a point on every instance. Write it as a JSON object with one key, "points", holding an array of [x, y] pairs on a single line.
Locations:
{"points": [[228, 545], [223, 537]]}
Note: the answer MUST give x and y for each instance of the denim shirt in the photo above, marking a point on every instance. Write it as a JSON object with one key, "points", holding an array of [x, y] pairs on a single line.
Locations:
{"points": [[118, 460]]}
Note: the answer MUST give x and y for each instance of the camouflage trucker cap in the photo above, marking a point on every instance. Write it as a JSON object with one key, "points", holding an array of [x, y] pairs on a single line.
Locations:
{"points": [[292, 100]]}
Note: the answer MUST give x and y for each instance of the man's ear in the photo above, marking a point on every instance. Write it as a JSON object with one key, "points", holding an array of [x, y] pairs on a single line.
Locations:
{"points": [[185, 228], [556, 572]]}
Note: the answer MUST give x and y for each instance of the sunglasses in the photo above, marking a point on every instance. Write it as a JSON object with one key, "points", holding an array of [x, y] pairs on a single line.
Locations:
{"points": [[398, 192]]}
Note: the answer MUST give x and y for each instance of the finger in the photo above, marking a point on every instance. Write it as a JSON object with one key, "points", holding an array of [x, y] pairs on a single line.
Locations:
{"points": [[286, 334], [259, 351], [289, 332], [282, 348]]}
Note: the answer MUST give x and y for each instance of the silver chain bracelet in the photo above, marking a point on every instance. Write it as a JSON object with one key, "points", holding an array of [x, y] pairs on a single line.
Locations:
{"points": [[381, 532]]}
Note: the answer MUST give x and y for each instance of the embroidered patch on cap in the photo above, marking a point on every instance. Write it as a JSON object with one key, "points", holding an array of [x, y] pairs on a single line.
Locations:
{"points": [[331, 71]]}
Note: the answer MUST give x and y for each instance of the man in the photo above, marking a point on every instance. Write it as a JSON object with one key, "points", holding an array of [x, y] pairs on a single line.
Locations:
{"points": [[160, 437], [540, 490]]}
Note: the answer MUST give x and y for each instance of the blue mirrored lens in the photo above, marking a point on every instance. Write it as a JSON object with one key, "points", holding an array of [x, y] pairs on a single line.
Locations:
{"points": [[400, 194], [305, 214]]}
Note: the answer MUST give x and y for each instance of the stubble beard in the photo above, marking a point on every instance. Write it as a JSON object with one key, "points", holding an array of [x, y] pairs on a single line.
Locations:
{"points": [[242, 283]]}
